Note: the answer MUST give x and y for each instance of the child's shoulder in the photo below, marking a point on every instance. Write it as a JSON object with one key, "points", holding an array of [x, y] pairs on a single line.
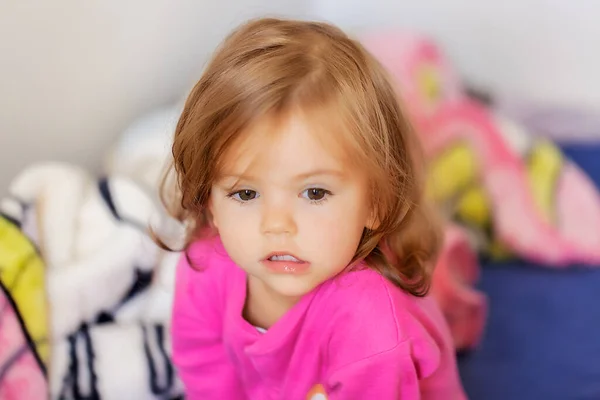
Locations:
{"points": [[371, 315], [365, 294]]}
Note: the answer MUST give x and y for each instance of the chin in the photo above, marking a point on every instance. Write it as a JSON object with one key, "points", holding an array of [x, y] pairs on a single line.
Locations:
{"points": [[293, 289], [292, 293]]}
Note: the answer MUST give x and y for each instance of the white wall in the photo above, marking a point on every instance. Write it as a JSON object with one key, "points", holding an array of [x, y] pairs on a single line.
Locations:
{"points": [[74, 73], [545, 50]]}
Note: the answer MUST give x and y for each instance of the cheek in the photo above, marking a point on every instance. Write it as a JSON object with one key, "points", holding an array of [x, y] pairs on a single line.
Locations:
{"points": [[337, 227], [234, 222], [228, 214], [237, 232]]}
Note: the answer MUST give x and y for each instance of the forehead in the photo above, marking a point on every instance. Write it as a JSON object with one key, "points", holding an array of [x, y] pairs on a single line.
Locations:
{"points": [[290, 144]]}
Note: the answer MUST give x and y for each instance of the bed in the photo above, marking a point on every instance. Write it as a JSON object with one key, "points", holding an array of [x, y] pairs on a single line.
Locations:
{"points": [[542, 340]]}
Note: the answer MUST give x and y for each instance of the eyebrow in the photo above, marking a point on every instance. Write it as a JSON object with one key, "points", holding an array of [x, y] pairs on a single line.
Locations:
{"points": [[300, 177], [320, 172]]}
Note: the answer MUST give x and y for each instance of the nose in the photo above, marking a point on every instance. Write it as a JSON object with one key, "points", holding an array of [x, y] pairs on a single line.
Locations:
{"points": [[278, 219]]}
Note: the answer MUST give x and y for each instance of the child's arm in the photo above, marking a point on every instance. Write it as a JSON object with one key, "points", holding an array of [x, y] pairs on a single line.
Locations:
{"points": [[198, 351], [390, 375]]}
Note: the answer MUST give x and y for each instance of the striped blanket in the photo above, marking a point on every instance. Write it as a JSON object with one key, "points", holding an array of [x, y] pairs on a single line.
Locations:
{"points": [[85, 295]]}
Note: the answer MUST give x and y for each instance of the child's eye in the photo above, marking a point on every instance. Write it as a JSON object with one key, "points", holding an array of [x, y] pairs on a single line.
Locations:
{"points": [[244, 195], [315, 194]]}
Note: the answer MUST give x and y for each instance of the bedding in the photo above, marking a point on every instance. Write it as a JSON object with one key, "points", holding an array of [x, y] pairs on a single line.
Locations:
{"points": [[517, 195], [542, 338], [86, 295]]}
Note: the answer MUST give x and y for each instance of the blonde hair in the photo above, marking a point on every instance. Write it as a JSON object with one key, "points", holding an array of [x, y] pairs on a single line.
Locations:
{"points": [[269, 67]]}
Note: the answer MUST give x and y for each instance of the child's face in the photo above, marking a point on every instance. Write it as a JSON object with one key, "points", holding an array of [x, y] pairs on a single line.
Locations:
{"points": [[289, 211]]}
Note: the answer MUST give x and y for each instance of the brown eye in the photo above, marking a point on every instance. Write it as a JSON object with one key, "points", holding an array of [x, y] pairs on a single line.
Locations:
{"points": [[245, 195], [316, 194]]}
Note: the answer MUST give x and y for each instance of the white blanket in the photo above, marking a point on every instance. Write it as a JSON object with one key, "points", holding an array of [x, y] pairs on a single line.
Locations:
{"points": [[109, 288]]}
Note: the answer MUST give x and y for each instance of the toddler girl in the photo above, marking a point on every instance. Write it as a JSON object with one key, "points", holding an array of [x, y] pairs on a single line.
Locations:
{"points": [[308, 252]]}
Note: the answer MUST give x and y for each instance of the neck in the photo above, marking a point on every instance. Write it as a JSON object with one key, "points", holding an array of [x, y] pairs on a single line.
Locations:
{"points": [[263, 306]]}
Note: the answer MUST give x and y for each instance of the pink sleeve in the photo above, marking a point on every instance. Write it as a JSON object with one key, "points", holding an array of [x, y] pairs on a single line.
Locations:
{"points": [[199, 355], [390, 375]]}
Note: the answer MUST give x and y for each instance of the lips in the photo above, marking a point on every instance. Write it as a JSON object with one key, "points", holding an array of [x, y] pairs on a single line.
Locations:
{"points": [[286, 263]]}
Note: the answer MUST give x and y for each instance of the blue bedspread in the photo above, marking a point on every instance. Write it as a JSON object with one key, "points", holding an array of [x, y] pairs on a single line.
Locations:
{"points": [[543, 334]]}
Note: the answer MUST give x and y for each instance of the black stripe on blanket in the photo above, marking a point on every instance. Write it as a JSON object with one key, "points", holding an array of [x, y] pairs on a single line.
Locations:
{"points": [[107, 196], [24, 207], [81, 380], [104, 189], [10, 219], [141, 281], [159, 364]]}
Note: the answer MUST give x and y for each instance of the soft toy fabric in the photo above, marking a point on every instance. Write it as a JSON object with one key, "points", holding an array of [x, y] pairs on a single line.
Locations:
{"points": [[104, 296], [24, 340], [454, 286], [518, 196]]}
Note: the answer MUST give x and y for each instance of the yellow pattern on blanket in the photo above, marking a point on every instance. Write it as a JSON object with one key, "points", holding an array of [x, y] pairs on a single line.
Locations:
{"points": [[22, 274], [455, 185]]}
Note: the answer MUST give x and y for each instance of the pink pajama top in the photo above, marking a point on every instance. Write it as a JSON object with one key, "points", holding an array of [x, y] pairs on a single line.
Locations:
{"points": [[356, 336]]}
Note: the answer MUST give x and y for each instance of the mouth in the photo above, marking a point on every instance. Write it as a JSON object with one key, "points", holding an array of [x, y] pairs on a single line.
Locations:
{"points": [[283, 257], [285, 263]]}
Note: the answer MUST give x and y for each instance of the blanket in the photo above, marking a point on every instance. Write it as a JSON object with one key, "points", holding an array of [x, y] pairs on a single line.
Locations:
{"points": [[85, 292], [23, 320], [515, 193]]}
